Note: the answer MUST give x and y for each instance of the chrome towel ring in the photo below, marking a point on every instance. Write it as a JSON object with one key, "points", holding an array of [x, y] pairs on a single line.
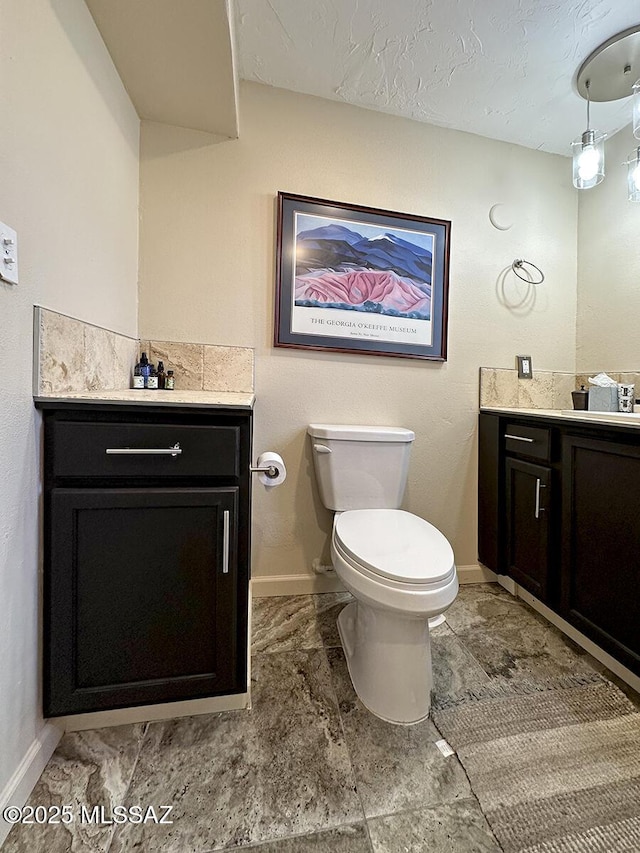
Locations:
{"points": [[519, 263]]}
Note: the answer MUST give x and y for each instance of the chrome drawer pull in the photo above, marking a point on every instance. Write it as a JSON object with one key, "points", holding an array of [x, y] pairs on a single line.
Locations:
{"points": [[225, 542], [176, 450], [520, 438]]}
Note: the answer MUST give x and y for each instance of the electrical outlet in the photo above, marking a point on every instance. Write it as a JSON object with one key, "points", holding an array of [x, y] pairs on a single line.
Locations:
{"points": [[525, 367], [8, 254]]}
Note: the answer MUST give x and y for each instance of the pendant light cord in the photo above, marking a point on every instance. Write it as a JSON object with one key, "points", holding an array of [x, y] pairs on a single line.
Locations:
{"points": [[587, 83]]}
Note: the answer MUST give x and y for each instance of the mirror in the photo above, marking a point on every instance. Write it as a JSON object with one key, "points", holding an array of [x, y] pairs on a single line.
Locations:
{"points": [[608, 308]]}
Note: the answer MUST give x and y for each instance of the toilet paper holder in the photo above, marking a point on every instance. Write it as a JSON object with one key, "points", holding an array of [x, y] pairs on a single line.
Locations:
{"points": [[271, 471]]}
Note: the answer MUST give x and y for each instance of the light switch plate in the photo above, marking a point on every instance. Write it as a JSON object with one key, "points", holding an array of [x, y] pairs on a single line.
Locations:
{"points": [[8, 254]]}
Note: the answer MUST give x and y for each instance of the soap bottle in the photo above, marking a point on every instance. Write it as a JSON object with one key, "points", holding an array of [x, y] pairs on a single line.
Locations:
{"points": [[138, 378], [170, 382], [144, 368], [152, 378], [161, 375]]}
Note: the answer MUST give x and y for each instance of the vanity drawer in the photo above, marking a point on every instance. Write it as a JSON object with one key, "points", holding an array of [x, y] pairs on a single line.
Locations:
{"points": [[108, 450], [534, 442]]}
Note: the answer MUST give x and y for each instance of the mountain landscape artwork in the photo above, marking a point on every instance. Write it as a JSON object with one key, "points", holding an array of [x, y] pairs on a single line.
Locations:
{"points": [[354, 266], [351, 278]]}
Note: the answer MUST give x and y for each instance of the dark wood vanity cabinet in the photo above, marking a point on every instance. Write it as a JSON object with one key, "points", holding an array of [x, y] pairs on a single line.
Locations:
{"points": [[527, 527], [146, 563], [601, 542], [561, 516], [516, 504]]}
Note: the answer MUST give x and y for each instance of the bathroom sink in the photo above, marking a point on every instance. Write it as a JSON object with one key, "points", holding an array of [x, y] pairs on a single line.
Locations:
{"points": [[618, 417]]}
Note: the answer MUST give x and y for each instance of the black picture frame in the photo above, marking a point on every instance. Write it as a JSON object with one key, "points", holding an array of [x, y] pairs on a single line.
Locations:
{"points": [[356, 279]]}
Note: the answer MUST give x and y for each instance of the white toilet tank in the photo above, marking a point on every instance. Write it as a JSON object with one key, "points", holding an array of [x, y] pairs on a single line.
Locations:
{"points": [[361, 467]]}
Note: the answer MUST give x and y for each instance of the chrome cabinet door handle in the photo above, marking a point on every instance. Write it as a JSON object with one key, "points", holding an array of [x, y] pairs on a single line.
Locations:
{"points": [[176, 450], [520, 438], [539, 509], [225, 542]]}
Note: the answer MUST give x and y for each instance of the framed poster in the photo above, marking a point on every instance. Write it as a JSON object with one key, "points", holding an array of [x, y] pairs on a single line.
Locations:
{"points": [[360, 280]]}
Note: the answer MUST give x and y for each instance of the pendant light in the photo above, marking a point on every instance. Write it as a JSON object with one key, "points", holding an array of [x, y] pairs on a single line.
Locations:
{"points": [[633, 175], [608, 74], [588, 154]]}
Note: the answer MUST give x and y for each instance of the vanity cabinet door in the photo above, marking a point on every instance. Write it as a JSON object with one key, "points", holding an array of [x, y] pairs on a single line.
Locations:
{"points": [[528, 499], [141, 597], [601, 543]]}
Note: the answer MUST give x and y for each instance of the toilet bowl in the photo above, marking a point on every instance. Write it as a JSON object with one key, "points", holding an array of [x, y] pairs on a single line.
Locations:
{"points": [[401, 572], [399, 568]]}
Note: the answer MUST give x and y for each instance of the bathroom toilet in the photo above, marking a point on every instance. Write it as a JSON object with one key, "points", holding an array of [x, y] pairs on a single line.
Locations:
{"points": [[399, 568]]}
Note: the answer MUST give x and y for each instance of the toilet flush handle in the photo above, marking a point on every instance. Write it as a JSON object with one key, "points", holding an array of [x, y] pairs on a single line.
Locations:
{"points": [[321, 448]]}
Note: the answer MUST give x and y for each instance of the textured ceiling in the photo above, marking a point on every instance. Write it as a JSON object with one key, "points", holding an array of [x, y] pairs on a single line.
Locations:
{"points": [[504, 69]]}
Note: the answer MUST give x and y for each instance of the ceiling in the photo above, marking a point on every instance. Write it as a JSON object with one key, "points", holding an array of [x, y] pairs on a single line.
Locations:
{"points": [[504, 69]]}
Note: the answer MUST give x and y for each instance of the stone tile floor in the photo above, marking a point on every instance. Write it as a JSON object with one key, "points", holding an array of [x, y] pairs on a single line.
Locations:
{"points": [[308, 768]]}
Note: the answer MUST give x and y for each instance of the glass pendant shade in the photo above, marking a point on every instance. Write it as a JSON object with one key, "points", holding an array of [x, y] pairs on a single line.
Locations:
{"points": [[606, 75], [633, 175], [588, 159]]}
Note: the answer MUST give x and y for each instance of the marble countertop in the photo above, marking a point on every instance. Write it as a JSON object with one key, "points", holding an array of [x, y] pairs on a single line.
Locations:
{"points": [[621, 419], [127, 396]]}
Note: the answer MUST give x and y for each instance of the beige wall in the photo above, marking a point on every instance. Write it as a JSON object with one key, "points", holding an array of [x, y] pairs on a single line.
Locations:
{"points": [[609, 268], [206, 274], [69, 178]]}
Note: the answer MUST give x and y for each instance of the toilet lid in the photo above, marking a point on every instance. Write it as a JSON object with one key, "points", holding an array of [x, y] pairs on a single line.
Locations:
{"points": [[395, 544]]}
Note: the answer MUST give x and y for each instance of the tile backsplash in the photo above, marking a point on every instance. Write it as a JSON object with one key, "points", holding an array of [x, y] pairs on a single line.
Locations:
{"points": [[186, 361], [627, 377], [204, 367], [71, 355], [228, 368], [545, 390]]}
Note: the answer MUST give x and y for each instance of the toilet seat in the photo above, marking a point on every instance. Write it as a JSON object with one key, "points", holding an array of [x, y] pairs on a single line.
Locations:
{"points": [[394, 546], [385, 588]]}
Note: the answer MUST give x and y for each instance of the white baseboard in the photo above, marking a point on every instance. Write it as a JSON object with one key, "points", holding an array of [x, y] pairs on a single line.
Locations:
{"points": [[588, 645], [17, 790], [153, 713], [509, 584], [264, 587], [476, 574]]}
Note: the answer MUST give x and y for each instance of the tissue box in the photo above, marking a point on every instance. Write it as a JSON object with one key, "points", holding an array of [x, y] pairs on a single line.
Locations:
{"points": [[603, 399]]}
